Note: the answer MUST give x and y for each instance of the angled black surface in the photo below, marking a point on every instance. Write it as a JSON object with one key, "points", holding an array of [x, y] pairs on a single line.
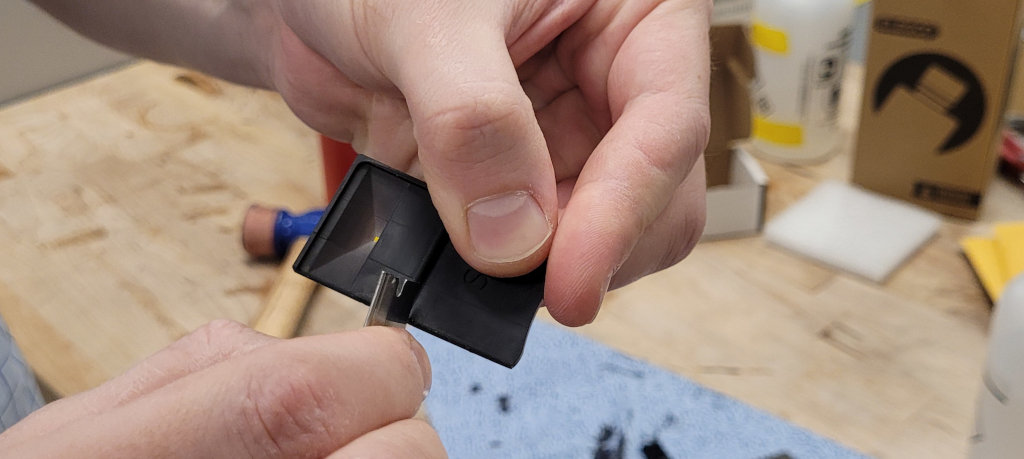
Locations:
{"points": [[383, 220]]}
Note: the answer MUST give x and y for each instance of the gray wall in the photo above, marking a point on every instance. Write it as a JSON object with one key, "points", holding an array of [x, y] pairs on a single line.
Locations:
{"points": [[37, 52]]}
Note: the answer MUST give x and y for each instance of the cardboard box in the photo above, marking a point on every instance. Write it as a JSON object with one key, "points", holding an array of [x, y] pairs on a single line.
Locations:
{"points": [[1015, 103], [736, 208], [936, 82], [732, 62]]}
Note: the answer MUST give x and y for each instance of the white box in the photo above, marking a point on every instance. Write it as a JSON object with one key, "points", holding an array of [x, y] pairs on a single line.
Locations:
{"points": [[737, 208]]}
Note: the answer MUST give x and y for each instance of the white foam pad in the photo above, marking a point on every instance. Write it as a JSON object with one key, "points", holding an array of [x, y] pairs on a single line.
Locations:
{"points": [[853, 230]]}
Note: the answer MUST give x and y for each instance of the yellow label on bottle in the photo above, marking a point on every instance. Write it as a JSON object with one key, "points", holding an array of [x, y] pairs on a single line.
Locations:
{"points": [[780, 133], [769, 38]]}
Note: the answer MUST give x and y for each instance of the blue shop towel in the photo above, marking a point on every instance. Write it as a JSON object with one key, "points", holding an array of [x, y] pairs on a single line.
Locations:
{"points": [[19, 394], [571, 397]]}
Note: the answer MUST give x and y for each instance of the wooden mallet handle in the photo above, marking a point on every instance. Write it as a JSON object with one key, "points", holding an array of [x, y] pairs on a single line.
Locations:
{"points": [[286, 302]]}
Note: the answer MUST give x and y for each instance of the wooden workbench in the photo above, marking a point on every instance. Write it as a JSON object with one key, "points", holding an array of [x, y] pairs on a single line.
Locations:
{"points": [[121, 200]]}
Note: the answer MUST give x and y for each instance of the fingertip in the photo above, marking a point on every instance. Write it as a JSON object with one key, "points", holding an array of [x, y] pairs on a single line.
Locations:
{"points": [[575, 314], [592, 242], [419, 354], [575, 303], [422, 361]]}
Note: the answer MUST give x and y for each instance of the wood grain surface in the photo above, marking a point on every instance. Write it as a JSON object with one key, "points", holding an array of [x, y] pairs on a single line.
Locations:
{"points": [[121, 202]]}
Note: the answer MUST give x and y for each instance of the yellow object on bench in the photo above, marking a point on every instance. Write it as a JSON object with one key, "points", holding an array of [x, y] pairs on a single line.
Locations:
{"points": [[996, 260]]}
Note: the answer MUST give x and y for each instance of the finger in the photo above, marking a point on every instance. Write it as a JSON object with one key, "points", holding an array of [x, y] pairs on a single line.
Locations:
{"points": [[213, 343], [304, 397], [544, 80], [538, 51], [672, 235], [661, 128], [403, 439], [570, 134], [481, 150]]}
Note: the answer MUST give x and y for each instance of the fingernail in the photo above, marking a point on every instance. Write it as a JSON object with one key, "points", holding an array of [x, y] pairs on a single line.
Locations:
{"points": [[507, 227], [423, 361]]}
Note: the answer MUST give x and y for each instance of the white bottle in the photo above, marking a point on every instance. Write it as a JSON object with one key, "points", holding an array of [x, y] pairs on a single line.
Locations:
{"points": [[999, 421], [800, 50]]}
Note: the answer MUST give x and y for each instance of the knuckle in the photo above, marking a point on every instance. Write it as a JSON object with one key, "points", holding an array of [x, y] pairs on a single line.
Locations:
{"points": [[690, 133], [622, 208], [669, 145], [695, 228], [488, 115], [699, 128], [693, 217], [682, 243], [653, 146], [485, 107], [641, 209]]}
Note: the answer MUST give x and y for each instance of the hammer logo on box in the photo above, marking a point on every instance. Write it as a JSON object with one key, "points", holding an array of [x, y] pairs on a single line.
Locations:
{"points": [[944, 85]]}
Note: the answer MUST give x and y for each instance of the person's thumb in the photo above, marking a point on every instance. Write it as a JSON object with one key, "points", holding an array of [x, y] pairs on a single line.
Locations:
{"points": [[483, 154]]}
